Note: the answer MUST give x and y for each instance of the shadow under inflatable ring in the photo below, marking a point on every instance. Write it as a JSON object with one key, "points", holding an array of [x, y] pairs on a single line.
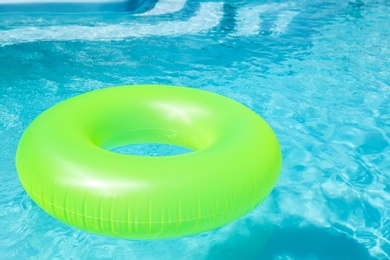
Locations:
{"points": [[64, 163]]}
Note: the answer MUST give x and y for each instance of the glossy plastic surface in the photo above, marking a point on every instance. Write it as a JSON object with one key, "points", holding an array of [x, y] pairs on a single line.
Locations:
{"points": [[64, 163]]}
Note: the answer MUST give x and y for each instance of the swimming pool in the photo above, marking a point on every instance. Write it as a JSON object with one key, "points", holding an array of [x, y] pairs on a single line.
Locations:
{"points": [[316, 71]]}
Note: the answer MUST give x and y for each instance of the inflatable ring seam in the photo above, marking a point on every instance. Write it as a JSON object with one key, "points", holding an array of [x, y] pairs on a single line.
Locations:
{"points": [[118, 221]]}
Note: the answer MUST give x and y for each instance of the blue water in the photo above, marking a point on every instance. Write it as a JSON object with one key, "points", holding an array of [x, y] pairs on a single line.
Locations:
{"points": [[317, 71]]}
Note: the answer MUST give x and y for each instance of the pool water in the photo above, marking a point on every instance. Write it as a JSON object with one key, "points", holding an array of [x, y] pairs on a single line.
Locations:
{"points": [[317, 71]]}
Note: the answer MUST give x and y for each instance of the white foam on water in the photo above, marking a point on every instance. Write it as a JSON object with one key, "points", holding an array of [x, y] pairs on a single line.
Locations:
{"points": [[248, 21], [165, 7], [248, 18], [207, 17], [281, 24]]}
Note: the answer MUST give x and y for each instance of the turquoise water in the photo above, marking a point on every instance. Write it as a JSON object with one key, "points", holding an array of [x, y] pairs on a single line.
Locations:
{"points": [[316, 71]]}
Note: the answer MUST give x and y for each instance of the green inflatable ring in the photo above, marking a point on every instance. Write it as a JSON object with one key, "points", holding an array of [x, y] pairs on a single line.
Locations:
{"points": [[65, 164]]}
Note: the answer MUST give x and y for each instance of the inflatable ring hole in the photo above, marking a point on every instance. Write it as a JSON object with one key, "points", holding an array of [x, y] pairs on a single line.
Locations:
{"points": [[151, 142], [151, 149]]}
